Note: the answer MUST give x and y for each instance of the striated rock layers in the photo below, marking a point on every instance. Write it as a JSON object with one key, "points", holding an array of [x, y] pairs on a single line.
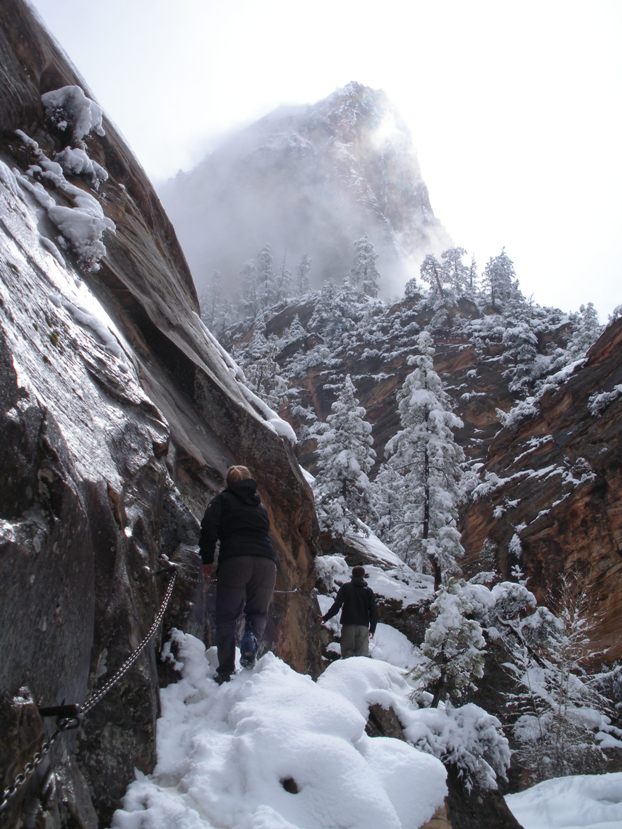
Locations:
{"points": [[118, 414], [546, 487], [554, 481]]}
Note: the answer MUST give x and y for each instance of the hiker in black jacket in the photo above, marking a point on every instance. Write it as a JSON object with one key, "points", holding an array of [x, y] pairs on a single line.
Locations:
{"points": [[246, 567], [358, 617]]}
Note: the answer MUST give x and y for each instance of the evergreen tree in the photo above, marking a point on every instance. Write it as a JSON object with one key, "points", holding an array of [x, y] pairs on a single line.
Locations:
{"points": [[283, 283], [558, 711], [454, 647], [432, 273], [302, 275], [455, 272], [248, 289], [261, 370], [428, 458], [267, 289], [296, 331], [345, 457], [499, 279], [586, 330], [472, 276], [520, 352], [364, 275]]}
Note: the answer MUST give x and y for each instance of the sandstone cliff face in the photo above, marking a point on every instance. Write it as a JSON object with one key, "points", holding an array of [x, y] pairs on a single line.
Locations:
{"points": [[308, 180], [557, 486], [119, 414]]}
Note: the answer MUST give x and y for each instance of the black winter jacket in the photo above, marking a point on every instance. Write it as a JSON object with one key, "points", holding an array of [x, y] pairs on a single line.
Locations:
{"points": [[359, 604], [237, 518]]}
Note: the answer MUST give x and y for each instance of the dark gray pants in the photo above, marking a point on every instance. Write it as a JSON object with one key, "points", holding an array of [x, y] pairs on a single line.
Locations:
{"points": [[354, 640], [245, 585]]}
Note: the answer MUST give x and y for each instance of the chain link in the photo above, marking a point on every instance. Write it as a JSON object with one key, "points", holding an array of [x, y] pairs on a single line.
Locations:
{"points": [[90, 701], [98, 695]]}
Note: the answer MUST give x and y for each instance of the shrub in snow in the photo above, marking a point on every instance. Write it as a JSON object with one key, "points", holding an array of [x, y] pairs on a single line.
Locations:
{"points": [[558, 714], [345, 456], [454, 647], [467, 737], [70, 111]]}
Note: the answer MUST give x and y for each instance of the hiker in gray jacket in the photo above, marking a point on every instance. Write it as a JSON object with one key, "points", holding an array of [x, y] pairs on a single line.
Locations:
{"points": [[359, 615]]}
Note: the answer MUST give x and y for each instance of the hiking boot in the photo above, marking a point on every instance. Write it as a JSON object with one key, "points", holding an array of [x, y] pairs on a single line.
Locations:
{"points": [[219, 677], [248, 649]]}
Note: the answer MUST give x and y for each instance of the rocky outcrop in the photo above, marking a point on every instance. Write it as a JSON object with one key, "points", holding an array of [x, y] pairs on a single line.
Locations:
{"points": [[554, 483], [309, 180], [119, 414], [470, 807]]}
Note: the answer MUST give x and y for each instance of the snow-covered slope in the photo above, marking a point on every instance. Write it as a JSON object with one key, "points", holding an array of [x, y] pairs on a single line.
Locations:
{"points": [[309, 180]]}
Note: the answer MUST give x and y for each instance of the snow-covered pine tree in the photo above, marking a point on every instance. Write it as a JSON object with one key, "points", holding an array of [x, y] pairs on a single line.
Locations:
{"points": [[455, 272], [302, 275], [364, 275], [559, 711], [262, 372], [432, 274], [499, 279], [387, 501], [345, 457], [427, 456], [454, 647], [248, 289], [267, 289], [283, 282], [586, 330]]}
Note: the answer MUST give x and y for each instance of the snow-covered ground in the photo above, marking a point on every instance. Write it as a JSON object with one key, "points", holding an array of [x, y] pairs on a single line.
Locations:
{"points": [[233, 756], [592, 801]]}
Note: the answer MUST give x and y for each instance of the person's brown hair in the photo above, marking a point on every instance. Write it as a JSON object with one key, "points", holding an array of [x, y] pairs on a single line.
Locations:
{"points": [[237, 473]]}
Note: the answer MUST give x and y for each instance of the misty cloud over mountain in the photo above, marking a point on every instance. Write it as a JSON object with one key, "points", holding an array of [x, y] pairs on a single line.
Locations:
{"points": [[309, 180]]}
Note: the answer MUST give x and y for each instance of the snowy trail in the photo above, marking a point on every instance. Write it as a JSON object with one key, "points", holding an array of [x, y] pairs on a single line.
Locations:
{"points": [[591, 801], [225, 752]]}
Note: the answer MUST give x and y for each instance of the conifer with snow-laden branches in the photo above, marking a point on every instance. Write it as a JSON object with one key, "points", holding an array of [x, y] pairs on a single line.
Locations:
{"points": [[345, 457], [429, 460]]}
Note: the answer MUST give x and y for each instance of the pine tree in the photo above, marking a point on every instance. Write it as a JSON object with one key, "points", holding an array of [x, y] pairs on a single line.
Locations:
{"points": [[455, 272], [302, 275], [345, 457], [499, 279], [248, 289], [432, 273], [586, 330], [267, 290], [557, 711], [428, 458], [364, 275], [454, 647], [283, 283]]}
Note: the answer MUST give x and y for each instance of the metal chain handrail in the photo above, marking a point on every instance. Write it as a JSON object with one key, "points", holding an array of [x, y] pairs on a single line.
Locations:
{"points": [[98, 695], [90, 702]]}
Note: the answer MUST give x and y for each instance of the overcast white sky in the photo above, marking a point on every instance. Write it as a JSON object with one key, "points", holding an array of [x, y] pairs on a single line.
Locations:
{"points": [[514, 105]]}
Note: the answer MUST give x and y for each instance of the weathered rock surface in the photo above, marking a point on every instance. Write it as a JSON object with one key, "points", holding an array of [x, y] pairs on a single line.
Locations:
{"points": [[119, 415], [308, 180], [558, 487]]}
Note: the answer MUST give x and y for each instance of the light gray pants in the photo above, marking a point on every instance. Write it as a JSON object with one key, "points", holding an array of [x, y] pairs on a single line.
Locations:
{"points": [[354, 640]]}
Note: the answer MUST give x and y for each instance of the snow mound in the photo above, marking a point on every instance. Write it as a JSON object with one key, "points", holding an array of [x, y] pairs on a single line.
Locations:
{"points": [[274, 750], [591, 801], [68, 108]]}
